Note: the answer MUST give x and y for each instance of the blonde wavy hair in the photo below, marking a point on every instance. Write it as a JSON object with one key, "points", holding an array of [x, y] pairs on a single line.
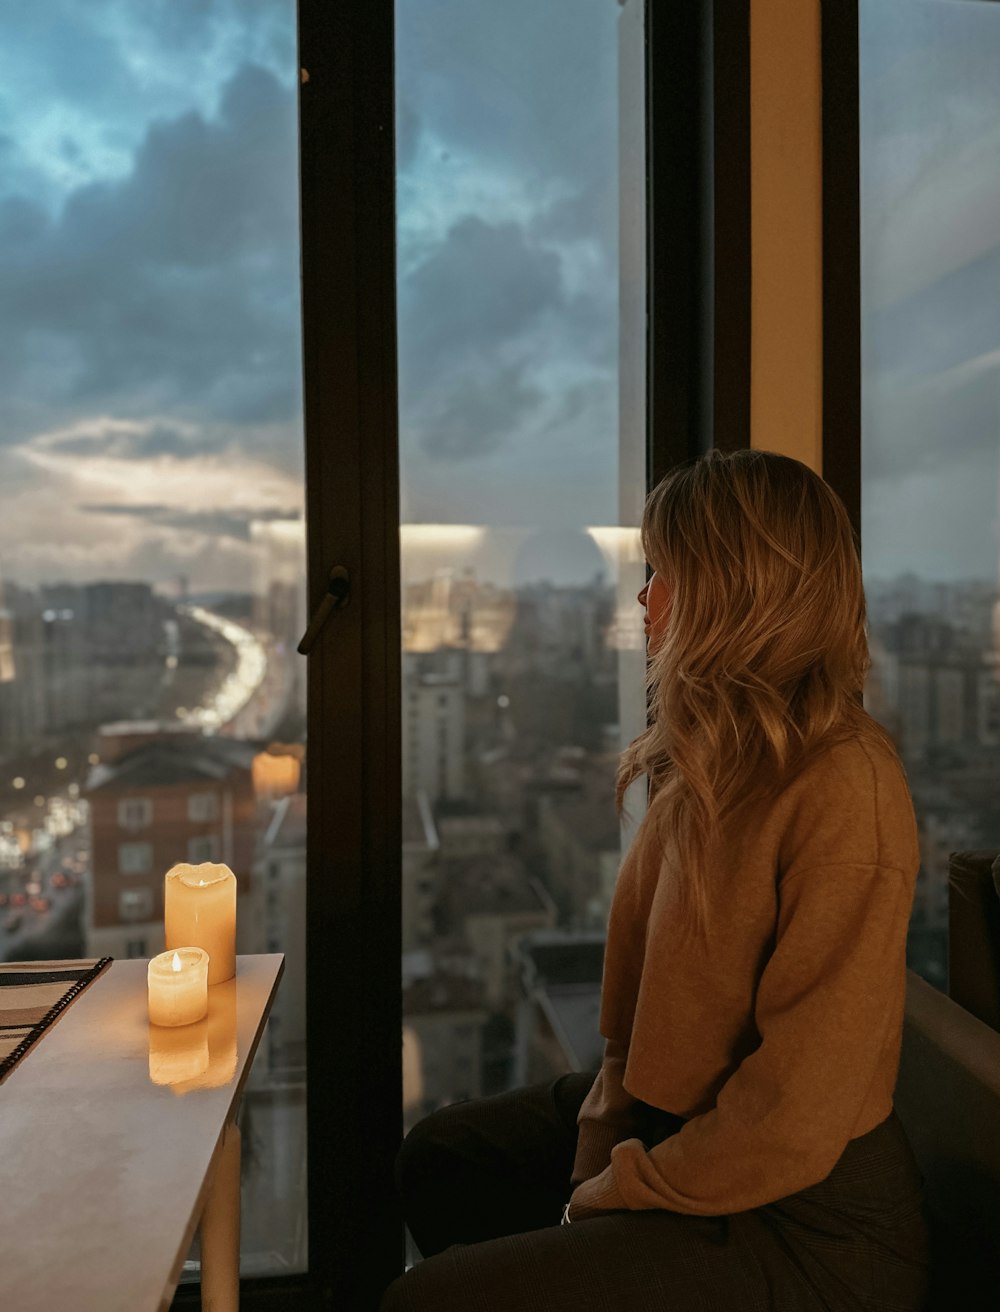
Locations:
{"points": [[764, 654]]}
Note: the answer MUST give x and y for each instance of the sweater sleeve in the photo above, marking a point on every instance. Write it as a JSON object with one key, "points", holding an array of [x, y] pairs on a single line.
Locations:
{"points": [[823, 1011], [607, 1116]]}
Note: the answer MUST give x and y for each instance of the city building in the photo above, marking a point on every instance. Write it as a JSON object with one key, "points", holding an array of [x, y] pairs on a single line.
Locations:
{"points": [[159, 797], [559, 1005]]}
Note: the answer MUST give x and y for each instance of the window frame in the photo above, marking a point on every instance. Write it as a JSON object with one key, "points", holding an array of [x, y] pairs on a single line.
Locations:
{"points": [[202, 808], [136, 845], [841, 245], [125, 804]]}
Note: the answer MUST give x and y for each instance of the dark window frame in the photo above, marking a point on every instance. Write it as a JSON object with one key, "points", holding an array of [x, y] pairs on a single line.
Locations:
{"points": [[841, 246]]}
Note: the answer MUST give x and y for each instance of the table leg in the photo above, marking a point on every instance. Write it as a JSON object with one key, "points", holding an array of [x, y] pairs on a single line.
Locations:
{"points": [[220, 1229]]}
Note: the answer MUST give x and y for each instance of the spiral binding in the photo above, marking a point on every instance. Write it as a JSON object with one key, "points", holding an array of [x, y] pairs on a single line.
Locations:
{"points": [[72, 993]]}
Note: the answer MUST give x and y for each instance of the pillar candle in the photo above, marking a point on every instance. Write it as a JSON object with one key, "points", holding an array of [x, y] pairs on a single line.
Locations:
{"points": [[177, 983], [199, 906]]}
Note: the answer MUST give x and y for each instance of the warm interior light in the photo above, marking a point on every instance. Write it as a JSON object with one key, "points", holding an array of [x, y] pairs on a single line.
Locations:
{"points": [[275, 775], [176, 963]]}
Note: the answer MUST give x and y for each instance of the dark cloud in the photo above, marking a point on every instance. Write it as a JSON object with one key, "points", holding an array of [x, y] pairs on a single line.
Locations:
{"points": [[472, 416], [532, 86], [173, 289], [467, 315], [493, 316], [481, 286]]}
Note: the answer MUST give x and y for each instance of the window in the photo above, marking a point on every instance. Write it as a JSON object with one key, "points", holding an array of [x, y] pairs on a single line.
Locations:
{"points": [[930, 459], [135, 947], [135, 904], [469, 77], [135, 813], [202, 807], [522, 441], [135, 858], [205, 847], [152, 492]]}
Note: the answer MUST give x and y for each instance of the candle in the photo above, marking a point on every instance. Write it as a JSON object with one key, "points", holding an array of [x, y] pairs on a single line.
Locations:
{"points": [[199, 906], [177, 982]]}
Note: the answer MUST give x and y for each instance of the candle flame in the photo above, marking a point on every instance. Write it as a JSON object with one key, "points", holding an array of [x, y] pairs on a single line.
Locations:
{"points": [[176, 963]]}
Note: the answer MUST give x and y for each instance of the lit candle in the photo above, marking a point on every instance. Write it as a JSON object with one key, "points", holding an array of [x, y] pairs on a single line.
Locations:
{"points": [[199, 906], [178, 987]]}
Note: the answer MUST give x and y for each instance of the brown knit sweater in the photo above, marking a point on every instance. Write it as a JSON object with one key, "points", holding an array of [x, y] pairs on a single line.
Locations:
{"points": [[779, 1041]]}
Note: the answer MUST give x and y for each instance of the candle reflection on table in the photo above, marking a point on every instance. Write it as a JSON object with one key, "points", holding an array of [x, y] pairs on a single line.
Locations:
{"points": [[178, 1055], [200, 1056]]}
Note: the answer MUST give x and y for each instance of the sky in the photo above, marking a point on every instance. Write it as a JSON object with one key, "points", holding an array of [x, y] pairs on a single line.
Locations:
{"points": [[149, 300], [930, 277]]}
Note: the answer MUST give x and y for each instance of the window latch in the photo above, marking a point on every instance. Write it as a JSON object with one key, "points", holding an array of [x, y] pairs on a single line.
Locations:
{"points": [[337, 595]]}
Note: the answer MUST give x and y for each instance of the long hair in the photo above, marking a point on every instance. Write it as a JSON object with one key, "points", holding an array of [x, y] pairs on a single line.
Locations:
{"points": [[764, 653]]}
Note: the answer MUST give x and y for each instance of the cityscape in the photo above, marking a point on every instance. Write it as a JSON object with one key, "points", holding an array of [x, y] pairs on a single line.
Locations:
{"points": [[139, 729]]}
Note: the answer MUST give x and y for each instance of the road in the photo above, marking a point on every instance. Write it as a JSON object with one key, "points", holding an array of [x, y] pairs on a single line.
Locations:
{"points": [[59, 931]]}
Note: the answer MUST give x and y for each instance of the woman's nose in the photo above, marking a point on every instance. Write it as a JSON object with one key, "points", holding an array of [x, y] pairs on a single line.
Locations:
{"points": [[642, 595]]}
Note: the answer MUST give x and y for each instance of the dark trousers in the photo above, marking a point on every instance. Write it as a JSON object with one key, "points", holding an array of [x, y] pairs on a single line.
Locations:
{"points": [[483, 1184]]}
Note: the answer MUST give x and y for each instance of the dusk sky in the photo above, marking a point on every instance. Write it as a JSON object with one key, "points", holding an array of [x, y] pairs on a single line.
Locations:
{"points": [[150, 301]]}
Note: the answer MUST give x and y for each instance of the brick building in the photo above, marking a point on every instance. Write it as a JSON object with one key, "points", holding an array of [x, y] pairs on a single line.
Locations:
{"points": [[156, 798]]}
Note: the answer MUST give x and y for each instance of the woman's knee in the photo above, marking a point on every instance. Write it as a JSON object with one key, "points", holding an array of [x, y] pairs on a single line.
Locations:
{"points": [[422, 1147]]}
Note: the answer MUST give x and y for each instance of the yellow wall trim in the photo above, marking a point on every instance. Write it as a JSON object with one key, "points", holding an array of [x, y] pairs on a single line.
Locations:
{"points": [[786, 178]]}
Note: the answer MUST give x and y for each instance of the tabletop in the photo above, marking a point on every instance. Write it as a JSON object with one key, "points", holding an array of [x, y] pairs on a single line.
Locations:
{"points": [[107, 1133]]}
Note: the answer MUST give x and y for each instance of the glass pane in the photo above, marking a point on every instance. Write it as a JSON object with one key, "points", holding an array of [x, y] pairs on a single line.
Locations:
{"points": [[930, 251], [151, 510], [521, 297]]}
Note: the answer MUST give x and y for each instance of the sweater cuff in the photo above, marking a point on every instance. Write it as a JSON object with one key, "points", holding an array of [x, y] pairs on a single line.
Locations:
{"points": [[593, 1150], [600, 1194]]}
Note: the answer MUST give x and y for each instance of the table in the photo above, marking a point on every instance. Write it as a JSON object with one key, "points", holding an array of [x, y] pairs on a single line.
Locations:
{"points": [[107, 1174]]}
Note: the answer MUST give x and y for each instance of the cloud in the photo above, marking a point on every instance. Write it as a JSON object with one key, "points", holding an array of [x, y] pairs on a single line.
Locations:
{"points": [[151, 316], [71, 513], [481, 286], [527, 87], [218, 524], [123, 439], [175, 288], [474, 415], [492, 347]]}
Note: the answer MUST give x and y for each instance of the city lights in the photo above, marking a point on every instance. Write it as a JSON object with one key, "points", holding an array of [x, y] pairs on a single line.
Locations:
{"points": [[239, 686]]}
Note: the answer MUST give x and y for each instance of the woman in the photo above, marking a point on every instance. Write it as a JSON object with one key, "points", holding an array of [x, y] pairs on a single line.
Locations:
{"points": [[738, 1148]]}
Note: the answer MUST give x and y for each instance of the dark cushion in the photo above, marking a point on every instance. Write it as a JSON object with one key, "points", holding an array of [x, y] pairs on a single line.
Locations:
{"points": [[974, 934], [948, 1098]]}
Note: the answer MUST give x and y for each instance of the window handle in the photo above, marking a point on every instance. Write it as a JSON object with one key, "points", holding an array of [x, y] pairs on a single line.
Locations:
{"points": [[338, 594]]}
